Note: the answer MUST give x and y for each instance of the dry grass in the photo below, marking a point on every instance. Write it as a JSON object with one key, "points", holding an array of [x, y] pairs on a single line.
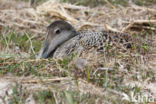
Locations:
{"points": [[112, 77]]}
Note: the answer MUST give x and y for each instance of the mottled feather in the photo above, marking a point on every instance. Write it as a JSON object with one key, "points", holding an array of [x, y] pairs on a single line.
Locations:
{"points": [[89, 39]]}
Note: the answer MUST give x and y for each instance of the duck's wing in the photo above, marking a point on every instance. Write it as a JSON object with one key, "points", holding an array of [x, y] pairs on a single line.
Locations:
{"points": [[89, 39]]}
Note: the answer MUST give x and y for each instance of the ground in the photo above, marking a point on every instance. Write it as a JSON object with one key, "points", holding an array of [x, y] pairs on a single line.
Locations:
{"points": [[113, 77]]}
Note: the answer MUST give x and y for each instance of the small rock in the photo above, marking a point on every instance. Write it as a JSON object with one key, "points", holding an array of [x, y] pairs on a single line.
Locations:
{"points": [[80, 63]]}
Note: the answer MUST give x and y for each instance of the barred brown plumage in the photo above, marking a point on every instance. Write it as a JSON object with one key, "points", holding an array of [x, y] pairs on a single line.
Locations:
{"points": [[63, 40]]}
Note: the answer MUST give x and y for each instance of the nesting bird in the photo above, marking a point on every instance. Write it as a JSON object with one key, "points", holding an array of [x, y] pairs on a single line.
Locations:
{"points": [[62, 40]]}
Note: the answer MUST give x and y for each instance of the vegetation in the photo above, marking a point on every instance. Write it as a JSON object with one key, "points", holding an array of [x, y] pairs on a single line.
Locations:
{"points": [[112, 77], [94, 3]]}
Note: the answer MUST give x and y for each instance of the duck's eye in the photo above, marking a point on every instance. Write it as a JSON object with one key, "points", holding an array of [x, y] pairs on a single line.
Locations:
{"points": [[57, 31]]}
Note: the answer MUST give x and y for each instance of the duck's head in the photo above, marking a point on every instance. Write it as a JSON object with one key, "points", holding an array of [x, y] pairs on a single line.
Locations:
{"points": [[57, 33]]}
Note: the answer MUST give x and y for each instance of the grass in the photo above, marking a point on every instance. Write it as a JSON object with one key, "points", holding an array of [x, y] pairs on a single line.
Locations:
{"points": [[108, 79], [18, 41], [105, 79], [20, 94], [144, 2], [93, 3], [44, 96]]}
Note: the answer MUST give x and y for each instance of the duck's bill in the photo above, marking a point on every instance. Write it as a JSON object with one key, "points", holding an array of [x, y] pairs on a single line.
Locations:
{"points": [[49, 47], [47, 50]]}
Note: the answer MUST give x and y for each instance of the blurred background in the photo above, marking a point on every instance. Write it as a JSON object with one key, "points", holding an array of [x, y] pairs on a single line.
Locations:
{"points": [[93, 3]]}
